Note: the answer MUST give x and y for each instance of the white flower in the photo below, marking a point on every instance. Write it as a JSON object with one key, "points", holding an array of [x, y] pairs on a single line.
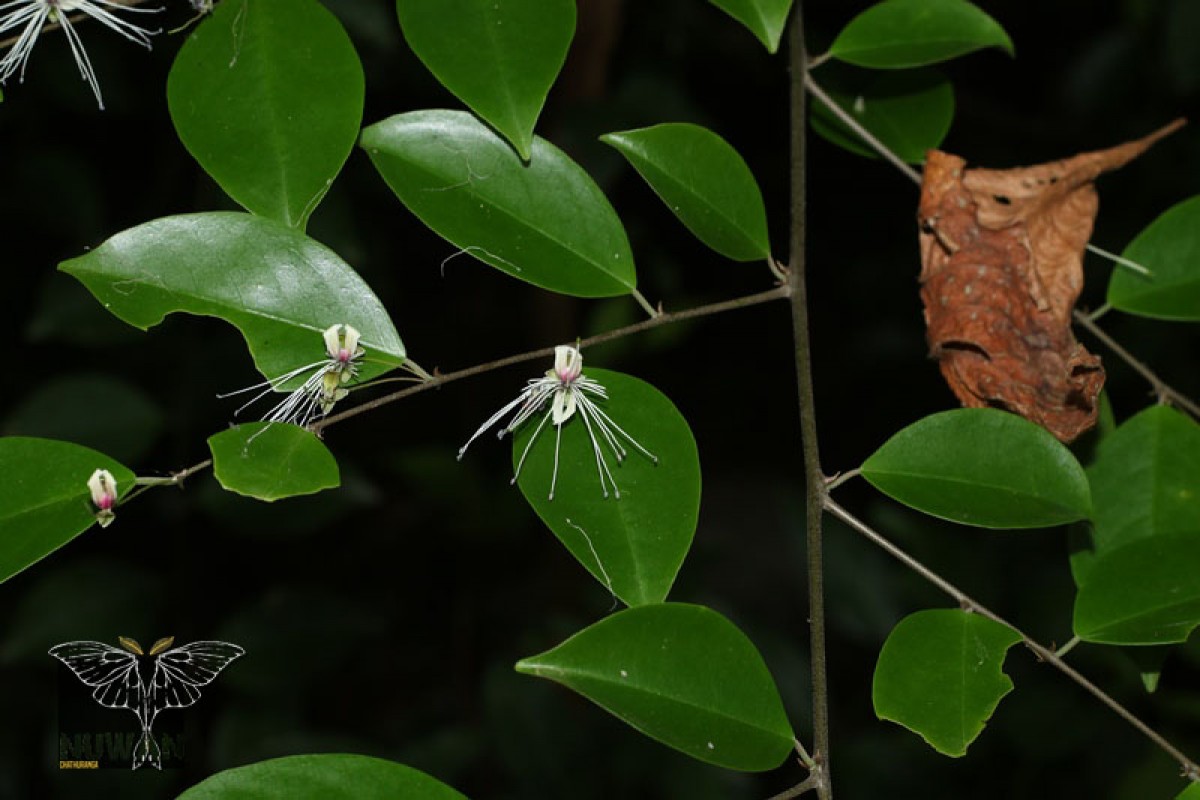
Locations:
{"points": [[568, 390], [103, 487], [33, 15], [318, 394]]}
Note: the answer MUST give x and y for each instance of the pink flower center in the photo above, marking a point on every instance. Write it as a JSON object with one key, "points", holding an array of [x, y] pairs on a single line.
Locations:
{"points": [[343, 355], [106, 502]]}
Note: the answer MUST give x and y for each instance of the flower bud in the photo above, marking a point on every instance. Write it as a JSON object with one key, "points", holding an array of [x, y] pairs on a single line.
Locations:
{"points": [[103, 487]]}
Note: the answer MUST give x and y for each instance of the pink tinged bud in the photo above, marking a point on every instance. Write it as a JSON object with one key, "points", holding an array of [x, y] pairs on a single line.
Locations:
{"points": [[568, 363], [103, 487]]}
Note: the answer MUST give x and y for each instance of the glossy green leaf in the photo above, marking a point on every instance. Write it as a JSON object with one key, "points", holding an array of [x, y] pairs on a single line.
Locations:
{"points": [[1147, 592], [280, 288], [940, 674], [1145, 481], [896, 34], [1170, 248], [681, 674], [268, 95], [633, 544], [1192, 792], [44, 498], [500, 58], [272, 460], [329, 776], [909, 111], [984, 467], [765, 18], [545, 222], [704, 182]]}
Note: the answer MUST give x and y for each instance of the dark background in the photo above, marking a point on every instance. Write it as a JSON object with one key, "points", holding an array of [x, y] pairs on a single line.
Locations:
{"points": [[384, 618]]}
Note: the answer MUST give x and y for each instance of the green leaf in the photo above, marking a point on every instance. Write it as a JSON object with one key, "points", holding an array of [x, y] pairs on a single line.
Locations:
{"points": [[908, 111], [1143, 483], [981, 466], [66, 408], [1170, 248], [765, 18], [545, 222], [268, 95], [896, 34], [272, 460], [280, 288], [498, 58], [704, 182], [1147, 592], [940, 674], [633, 544], [330, 776], [681, 674], [44, 498], [1192, 792]]}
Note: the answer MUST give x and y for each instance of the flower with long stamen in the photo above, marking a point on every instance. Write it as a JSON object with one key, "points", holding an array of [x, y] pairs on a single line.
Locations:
{"points": [[568, 390], [103, 487], [322, 389], [32, 16]]}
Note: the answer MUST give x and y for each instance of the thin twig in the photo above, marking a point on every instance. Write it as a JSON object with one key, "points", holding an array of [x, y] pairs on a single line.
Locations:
{"points": [[1068, 646], [807, 785], [650, 310], [864, 134], [834, 481], [545, 352], [814, 479], [1189, 768], [778, 293], [1164, 391]]}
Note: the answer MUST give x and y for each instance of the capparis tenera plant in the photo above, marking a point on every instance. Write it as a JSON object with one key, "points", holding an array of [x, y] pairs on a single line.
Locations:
{"points": [[267, 96]]}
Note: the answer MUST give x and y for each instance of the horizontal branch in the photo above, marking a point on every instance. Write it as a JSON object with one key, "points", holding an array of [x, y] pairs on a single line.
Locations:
{"points": [[664, 318]]}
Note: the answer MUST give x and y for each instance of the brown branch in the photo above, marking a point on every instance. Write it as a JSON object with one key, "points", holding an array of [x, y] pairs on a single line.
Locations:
{"points": [[1164, 391], [1189, 768], [665, 318], [814, 479], [545, 352]]}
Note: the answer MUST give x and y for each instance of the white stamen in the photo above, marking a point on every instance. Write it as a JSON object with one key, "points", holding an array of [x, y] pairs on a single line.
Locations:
{"points": [[568, 389]]}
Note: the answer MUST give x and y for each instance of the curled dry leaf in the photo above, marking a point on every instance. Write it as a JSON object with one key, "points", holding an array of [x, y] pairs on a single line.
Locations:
{"points": [[1001, 269]]}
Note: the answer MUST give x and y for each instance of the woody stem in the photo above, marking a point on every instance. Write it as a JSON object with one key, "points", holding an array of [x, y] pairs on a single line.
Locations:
{"points": [[819, 777]]}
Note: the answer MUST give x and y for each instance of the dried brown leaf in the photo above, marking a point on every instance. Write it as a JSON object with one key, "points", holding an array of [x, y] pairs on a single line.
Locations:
{"points": [[1001, 269]]}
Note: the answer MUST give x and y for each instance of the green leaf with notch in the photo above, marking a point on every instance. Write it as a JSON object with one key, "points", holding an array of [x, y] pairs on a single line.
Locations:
{"points": [[268, 96], [704, 182], [1170, 248], [44, 497], [681, 674], [498, 58], [766, 19], [981, 466], [545, 222], [909, 111], [328, 776], [940, 674], [633, 544], [272, 460], [1147, 592], [280, 288], [897, 34], [1143, 483]]}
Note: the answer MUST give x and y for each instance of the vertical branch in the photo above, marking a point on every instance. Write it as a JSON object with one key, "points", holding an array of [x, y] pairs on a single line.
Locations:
{"points": [[814, 479]]}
